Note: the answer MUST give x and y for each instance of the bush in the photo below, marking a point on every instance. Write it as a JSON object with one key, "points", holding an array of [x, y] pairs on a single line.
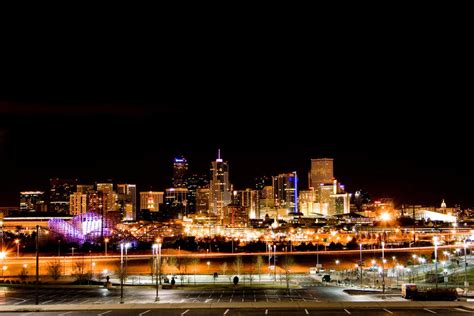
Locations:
{"points": [[448, 294]]}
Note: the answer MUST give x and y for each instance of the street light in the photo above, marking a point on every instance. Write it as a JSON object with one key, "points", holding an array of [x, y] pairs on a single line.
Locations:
{"points": [[156, 249], [121, 272], [337, 264], [466, 284], [435, 241], [106, 240], [383, 268], [17, 242]]}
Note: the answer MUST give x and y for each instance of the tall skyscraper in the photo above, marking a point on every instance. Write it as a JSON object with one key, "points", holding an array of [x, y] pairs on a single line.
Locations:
{"points": [[175, 200], [180, 172], [107, 197], [322, 172], [285, 188], [151, 200], [59, 192], [127, 199], [193, 183], [78, 203], [202, 200], [220, 194]]}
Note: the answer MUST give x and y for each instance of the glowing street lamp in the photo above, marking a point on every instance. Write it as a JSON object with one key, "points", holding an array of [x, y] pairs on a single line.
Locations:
{"points": [[17, 242], [435, 241], [106, 240]]}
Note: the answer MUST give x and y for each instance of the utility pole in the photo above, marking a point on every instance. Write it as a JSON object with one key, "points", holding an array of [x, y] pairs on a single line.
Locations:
{"points": [[37, 266]]}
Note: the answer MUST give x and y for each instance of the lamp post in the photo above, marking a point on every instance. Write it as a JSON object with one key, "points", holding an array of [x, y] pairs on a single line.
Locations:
{"points": [[17, 242], [360, 264], [373, 266], [72, 259], [121, 272], [274, 262], [383, 269], [435, 240], [106, 240], [337, 271], [466, 284], [37, 266]]}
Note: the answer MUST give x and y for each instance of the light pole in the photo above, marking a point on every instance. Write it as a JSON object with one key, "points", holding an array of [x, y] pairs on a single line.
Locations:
{"points": [[17, 242], [337, 264], [121, 272], [466, 284], [274, 262], [373, 268], [383, 268], [106, 240], [37, 266], [435, 240], [72, 259], [126, 258], [360, 264]]}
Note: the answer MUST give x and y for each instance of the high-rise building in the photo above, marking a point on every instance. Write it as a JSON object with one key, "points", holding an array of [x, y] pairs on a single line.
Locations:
{"points": [[32, 201], [285, 189], [322, 172], [151, 200], [202, 200], [180, 172], [59, 192], [175, 201], [107, 197], [249, 199], [261, 182], [193, 183], [127, 200], [220, 194], [78, 203]]}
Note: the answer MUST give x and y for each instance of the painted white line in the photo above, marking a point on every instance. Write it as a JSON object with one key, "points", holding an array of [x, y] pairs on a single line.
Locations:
{"points": [[141, 314], [182, 300], [230, 301], [208, 300], [62, 314], [306, 311], [104, 313], [462, 310], [429, 310], [347, 311], [46, 302], [390, 312], [185, 312], [226, 311], [25, 314], [266, 312]]}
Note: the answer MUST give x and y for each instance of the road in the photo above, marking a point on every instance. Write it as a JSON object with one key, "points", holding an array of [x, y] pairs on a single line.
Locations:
{"points": [[258, 311]]}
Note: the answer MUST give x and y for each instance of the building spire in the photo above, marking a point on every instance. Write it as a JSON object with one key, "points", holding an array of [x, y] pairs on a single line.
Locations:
{"points": [[219, 153]]}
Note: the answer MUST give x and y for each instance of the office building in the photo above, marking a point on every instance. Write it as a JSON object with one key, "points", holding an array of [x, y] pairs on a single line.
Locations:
{"points": [[59, 192], [285, 190], [78, 203], [322, 172], [151, 201], [180, 172], [127, 201], [193, 183], [32, 201], [175, 201], [220, 188], [107, 197], [202, 201]]}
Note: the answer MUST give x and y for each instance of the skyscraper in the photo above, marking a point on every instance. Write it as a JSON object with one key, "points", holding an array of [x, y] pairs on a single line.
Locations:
{"points": [[285, 188], [32, 201], [193, 183], [220, 195], [322, 172], [107, 197], [127, 199], [180, 171], [59, 192]]}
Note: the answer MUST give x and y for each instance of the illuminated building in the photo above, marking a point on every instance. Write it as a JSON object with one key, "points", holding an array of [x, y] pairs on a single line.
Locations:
{"points": [[175, 201], [85, 227], [307, 205], [220, 194], [78, 203], [202, 201], [151, 200], [266, 202], [180, 171], [249, 200], [322, 171], [331, 199], [193, 183], [32, 201], [127, 200], [285, 189], [237, 216], [107, 197], [59, 192], [84, 188], [261, 182]]}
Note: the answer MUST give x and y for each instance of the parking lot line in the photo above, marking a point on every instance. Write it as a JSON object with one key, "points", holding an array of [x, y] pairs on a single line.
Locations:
{"points": [[390, 312], [62, 314], [347, 311], [306, 311], [226, 311], [462, 310], [104, 313], [184, 312], [429, 310], [141, 314]]}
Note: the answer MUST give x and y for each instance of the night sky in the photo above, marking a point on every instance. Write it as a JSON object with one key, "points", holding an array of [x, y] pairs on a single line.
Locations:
{"points": [[392, 117]]}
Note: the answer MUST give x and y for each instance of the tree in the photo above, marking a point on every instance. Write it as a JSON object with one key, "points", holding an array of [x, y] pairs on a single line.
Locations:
{"points": [[258, 266], [194, 263], [238, 265], [80, 271], [54, 269], [224, 268], [288, 262], [171, 264], [23, 273]]}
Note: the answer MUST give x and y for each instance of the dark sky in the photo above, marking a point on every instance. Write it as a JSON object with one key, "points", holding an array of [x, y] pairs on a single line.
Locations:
{"points": [[390, 109]]}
